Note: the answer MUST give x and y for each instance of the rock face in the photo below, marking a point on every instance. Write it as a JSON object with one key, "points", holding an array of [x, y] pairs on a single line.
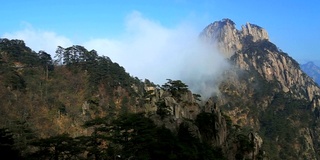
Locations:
{"points": [[265, 89], [273, 65], [228, 39], [206, 123], [219, 124], [250, 49], [255, 31]]}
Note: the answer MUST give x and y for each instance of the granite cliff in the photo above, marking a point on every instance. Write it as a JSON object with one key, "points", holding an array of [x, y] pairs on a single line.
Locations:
{"points": [[228, 39], [266, 90]]}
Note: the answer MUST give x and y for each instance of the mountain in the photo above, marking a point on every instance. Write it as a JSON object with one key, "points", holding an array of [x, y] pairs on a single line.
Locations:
{"points": [[312, 70], [266, 91], [85, 106]]}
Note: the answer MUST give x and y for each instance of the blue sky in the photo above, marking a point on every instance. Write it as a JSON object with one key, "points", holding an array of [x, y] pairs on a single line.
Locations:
{"points": [[104, 25]]}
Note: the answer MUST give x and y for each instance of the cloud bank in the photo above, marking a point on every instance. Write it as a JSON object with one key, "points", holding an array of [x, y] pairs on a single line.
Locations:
{"points": [[40, 40], [149, 50]]}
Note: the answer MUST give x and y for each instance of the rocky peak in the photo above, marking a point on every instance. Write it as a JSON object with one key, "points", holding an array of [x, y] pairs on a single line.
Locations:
{"points": [[312, 70], [250, 49], [265, 87], [257, 32], [228, 39], [224, 35], [309, 64]]}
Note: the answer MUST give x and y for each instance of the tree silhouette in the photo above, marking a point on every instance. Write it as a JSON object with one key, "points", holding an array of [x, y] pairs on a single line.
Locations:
{"points": [[7, 148], [175, 87]]}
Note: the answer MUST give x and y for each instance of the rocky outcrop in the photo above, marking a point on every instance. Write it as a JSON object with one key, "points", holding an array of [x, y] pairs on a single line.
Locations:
{"points": [[206, 123], [250, 49], [224, 35], [228, 39], [265, 82], [255, 31], [219, 124], [278, 67], [256, 142]]}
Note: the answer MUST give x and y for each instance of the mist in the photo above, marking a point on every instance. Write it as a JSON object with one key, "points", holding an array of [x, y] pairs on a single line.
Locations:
{"points": [[38, 39], [148, 50]]}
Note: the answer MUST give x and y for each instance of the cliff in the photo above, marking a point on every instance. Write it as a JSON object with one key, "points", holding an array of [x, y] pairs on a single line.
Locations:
{"points": [[228, 39], [266, 90]]}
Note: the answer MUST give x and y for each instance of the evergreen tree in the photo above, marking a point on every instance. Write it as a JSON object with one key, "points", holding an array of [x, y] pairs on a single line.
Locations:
{"points": [[7, 148]]}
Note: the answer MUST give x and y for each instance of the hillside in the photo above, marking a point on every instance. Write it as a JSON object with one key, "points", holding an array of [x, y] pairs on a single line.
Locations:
{"points": [[84, 106]]}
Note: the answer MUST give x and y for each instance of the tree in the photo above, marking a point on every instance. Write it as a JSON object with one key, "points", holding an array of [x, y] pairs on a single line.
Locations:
{"points": [[162, 109], [46, 62], [7, 148], [175, 87], [206, 123], [188, 143], [75, 55], [129, 136], [165, 145], [13, 80], [22, 134], [135, 133], [57, 147]]}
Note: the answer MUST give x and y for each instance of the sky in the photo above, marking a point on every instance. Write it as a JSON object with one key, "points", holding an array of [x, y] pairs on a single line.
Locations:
{"points": [[138, 34]]}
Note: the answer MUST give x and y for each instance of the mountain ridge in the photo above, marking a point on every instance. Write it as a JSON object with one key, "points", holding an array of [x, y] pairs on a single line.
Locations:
{"points": [[312, 70], [227, 38]]}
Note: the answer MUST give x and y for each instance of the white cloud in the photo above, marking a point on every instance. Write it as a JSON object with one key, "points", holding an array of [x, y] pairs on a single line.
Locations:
{"points": [[147, 49], [39, 39], [150, 50]]}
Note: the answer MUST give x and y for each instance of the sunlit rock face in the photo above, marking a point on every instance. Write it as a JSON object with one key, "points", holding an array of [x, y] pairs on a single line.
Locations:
{"points": [[275, 66], [264, 80], [250, 49], [228, 39], [255, 31]]}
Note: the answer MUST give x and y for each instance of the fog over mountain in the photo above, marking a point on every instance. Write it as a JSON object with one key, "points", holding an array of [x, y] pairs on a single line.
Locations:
{"points": [[149, 50], [254, 95]]}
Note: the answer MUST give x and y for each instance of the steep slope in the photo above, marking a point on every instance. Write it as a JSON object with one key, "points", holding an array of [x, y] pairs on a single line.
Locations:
{"points": [[312, 70], [85, 106], [266, 91]]}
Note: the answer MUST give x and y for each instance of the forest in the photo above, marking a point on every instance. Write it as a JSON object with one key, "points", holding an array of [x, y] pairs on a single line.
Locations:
{"points": [[84, 106]]}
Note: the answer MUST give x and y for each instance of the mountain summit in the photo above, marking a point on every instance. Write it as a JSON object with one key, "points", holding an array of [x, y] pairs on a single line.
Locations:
{"points": [[250, 49], [312, 70], [266, 91], [228, 39]]}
